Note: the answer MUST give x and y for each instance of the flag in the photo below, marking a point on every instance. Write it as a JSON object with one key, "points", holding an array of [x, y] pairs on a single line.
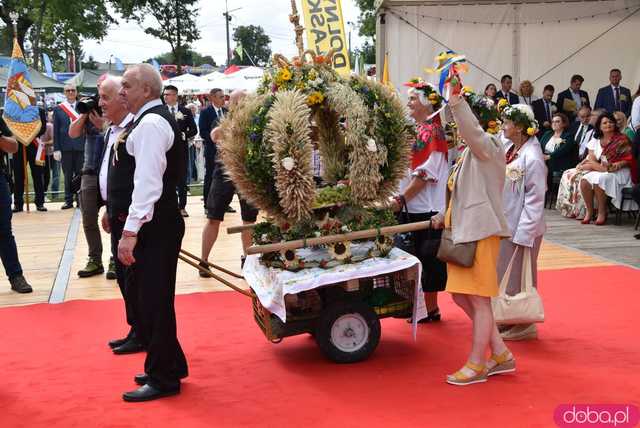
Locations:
{"points": [[119, 64], [47, 65], [20, 111], [155, 64], [385, 71], [239, 50]]}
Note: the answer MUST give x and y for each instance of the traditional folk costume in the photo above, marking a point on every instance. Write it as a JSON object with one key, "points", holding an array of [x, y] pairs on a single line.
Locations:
{"points": [[151, 152]]}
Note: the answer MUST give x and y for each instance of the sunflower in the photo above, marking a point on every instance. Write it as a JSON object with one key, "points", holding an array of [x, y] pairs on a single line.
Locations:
{"points": [[340, 250], [284, 74], [502, 103], [315, 98], [531, 131]]}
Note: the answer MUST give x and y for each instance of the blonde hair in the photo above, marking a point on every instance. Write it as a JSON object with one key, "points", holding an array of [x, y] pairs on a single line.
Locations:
{"points": [[526, 83]]}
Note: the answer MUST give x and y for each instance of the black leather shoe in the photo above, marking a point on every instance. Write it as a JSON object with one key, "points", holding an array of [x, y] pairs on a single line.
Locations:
{"points": [[118, 342], [141, 379], [229, 210], [20, 285], [67, 206], [17, 209], [41, 208], [129, 347], [148, 393], [204, 274]]}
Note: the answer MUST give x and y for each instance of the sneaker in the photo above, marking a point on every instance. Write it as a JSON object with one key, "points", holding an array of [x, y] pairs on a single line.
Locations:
{"points": [[111, 272], [92, 268], [20, 285], [184, 213]]}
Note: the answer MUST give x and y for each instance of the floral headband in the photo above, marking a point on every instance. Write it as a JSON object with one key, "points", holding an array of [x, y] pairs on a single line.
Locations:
{"points": [[520, 114], [430, 93], [484, 108]]}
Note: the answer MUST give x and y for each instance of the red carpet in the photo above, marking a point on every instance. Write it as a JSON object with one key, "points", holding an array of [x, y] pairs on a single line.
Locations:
{"points": [[57, 370]]}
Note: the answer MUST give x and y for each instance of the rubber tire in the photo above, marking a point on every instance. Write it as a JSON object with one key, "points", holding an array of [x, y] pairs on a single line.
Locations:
{"points": [[323, 331]]}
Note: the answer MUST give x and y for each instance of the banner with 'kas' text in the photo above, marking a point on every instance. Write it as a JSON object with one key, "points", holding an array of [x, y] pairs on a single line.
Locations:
{"points": [[325, 31]]}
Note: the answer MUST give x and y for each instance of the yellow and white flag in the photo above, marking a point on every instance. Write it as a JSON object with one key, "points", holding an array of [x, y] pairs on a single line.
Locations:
{"points": [[325, 31]]}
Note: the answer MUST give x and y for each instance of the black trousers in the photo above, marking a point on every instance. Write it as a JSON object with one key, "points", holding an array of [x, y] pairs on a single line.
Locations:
{"points": [[151, 284], [37, 176], [71, 166], [117, 225], [182, 182], [209, 166]]}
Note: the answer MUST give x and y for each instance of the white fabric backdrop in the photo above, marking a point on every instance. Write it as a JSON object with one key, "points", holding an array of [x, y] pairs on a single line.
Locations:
{"points": [[541, 46]]}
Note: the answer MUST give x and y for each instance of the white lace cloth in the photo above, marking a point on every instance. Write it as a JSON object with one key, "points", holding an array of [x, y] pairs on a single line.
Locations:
{"points": [[272, 284]]}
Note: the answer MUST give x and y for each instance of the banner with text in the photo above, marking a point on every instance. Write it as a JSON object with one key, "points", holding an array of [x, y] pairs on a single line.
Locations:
{"points": [[325, 30]]}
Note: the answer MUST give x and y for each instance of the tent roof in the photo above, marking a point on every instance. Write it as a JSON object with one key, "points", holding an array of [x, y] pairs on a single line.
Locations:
{"points": [[391, 3], [88, 79], [39, 80]]}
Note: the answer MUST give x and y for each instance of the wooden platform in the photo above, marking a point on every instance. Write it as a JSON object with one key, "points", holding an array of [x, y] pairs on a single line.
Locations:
{"points": [[41, 239]]}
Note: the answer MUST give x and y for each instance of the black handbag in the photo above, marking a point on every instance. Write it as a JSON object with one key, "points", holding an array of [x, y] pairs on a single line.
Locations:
{"points": [[421, 248]]}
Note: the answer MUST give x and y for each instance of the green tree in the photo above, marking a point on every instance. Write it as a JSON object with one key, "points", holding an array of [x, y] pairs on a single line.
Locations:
{"points": [[367, 21], [175, 22], [191, 58], [55, 26], [255, 46]]}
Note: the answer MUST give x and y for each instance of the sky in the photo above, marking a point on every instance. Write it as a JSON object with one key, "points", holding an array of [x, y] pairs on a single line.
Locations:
{"points": [[128, 41]]}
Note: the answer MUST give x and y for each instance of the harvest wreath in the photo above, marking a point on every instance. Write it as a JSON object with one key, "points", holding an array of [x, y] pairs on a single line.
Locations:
{"points": [[361, 132]]}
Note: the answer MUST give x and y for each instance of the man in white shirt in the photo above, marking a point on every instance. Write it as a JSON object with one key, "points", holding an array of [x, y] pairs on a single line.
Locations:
{"points": [[114, 109], [148, 161]]}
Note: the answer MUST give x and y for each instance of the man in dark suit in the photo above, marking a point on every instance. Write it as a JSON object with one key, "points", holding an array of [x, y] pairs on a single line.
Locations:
{"points": [[581, 130], [614, 97], [37, 171], [188, 130], [544, 108], [209, 119], [66, 149], [571, 100], [507, 82]]}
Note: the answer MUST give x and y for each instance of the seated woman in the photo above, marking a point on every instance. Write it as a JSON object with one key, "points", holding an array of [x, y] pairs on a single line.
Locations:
{"points": [[609, 168], [624, 125], [559, 147]]}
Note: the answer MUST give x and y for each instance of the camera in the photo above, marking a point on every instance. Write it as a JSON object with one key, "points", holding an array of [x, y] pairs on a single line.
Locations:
{"points": [[87, 104]]}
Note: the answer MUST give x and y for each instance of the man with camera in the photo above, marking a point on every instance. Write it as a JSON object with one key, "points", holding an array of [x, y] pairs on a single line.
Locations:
{"points": [[89, 126], [8, 249], [188, 129], [68, 150]]}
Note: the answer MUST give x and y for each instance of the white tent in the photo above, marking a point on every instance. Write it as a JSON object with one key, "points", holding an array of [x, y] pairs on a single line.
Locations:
{"points": [[248, 78], [187, 84], [541, 41], [212, 76]]}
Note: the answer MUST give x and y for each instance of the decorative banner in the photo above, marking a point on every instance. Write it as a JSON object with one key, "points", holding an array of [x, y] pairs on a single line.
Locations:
{"points": [[325, 31], [449, 65], [20, 111]]}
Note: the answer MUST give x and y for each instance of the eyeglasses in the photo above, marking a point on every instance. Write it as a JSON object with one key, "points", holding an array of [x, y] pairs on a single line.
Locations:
{"points": [[70, 90]]}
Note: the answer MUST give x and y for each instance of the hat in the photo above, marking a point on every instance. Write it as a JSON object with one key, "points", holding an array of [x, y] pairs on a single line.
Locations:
{"points": [[522, 115], [429, 92]]}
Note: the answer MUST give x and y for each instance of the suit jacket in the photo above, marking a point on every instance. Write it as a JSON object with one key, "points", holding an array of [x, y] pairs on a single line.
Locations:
{"points": [[61, 140], [207, 122], [565, 155], [513, 98], [186, 124], [523, 198], [605, 100], [566, 95], [540, 113], [477, 210]]}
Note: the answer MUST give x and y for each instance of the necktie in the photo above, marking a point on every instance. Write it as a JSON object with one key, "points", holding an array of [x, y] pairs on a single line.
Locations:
{"points": [[617, 100], [219, 113], [580, 134], [546, 108], [173, 111]]}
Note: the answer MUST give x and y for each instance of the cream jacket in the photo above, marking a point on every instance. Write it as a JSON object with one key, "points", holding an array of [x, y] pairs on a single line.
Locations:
{"points": [[477, 210]]}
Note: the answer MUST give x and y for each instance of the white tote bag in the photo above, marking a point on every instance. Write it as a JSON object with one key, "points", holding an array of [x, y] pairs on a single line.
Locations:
{"points": [[526, 306]]}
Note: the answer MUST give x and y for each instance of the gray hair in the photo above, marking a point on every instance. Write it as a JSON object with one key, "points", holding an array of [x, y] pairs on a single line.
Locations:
{"points": [[418, 93], [149, 75]]}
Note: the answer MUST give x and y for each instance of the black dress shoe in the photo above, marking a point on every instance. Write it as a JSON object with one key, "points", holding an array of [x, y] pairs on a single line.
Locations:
{"points": [[118, 342], [67, 206], [141, 379], [41, 208], [129, 347], [17, 209], [148, 393], [204, 274], [229, 210]]}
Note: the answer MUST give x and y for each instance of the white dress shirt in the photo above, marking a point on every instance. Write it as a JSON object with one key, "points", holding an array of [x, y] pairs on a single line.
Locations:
{"points": [[148, 143], [433, 197], [577, 98], [114, 134]]}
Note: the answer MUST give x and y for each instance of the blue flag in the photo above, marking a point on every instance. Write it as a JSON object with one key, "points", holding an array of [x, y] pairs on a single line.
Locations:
{"points": [[48, 68], [155, 64], [119, 64], [20, 111]]}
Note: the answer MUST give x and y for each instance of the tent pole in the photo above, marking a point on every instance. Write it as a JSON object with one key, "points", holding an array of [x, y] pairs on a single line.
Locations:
{"points": [[516, 43]]}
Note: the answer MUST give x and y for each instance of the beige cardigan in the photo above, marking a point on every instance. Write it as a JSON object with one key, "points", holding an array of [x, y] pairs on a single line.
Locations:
{"points": [[477, 212]]}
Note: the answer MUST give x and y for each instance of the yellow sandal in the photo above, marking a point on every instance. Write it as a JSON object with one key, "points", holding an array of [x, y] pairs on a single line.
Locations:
{"points": [[504, 363], [461, 379]]}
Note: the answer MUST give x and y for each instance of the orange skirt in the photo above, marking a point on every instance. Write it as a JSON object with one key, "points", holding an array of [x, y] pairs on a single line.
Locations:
{"points": [[481, 279]]}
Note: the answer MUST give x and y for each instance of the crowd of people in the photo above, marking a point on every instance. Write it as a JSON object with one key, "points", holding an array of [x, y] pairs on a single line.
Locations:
{"points": [[135, 153]]}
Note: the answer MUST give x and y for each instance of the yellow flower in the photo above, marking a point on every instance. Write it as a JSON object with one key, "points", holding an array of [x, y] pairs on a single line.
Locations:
{"points": [[531, 131], [503, 102], [315, 98], [492, 124], [467, 89], [492, 131], [433, 96], [300, 85], [312, 75], [284, 74]]}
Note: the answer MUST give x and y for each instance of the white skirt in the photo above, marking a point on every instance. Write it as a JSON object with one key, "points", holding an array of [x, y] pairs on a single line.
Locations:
{"points": [[611, 182]]}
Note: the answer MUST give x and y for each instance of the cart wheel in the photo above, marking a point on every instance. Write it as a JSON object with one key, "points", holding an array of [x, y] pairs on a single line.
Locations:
{"points": [[348, 332]]}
